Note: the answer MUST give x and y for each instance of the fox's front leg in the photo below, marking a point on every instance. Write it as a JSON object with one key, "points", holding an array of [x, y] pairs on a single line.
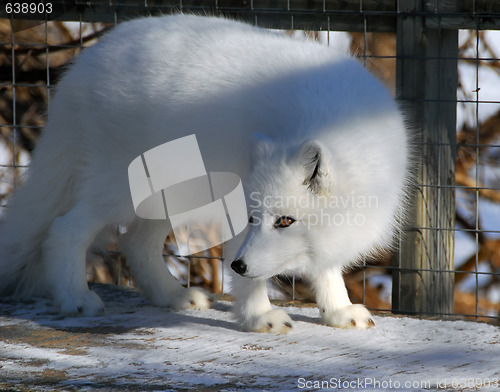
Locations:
{"points": [[253, 309], [334, 305]]}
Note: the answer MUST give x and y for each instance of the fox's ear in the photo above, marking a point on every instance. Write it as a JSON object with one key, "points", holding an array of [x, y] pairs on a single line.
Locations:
{"points": [[262, 146], [317, 166]]}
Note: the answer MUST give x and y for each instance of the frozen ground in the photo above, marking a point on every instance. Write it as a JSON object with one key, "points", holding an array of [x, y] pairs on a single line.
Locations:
{"points": [[141, 348]]}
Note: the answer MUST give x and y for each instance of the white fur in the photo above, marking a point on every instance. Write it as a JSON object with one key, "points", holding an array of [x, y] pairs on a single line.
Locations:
{"points": [[153, 80]]}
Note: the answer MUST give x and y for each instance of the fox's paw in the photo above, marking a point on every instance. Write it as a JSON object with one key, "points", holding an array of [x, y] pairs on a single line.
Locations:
{"points": [[83, 304], [192, 298], [274, 321], [352, 316]]}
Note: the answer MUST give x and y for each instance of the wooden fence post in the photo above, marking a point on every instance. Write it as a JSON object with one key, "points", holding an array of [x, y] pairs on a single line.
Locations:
{"points": [[423, 278]]}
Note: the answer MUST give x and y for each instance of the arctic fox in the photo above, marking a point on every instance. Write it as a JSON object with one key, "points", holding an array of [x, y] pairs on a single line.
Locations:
{"points": [[320, 145]]}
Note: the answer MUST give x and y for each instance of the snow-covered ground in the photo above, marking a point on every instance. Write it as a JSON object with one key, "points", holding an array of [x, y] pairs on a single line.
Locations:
{"points": [[141, 348]]}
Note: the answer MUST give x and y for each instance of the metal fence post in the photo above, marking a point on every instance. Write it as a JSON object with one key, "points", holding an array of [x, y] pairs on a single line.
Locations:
{"points": [[423, 278]]}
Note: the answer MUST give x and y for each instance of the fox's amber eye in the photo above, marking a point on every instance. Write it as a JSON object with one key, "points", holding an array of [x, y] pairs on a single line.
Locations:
{"points": [[283, 221]]}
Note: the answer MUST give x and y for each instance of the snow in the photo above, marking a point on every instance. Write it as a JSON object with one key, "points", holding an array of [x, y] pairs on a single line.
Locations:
{"points": [[139, 347]]}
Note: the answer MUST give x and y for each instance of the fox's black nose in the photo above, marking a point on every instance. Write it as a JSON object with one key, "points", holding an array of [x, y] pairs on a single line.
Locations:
{"points": [[239, 266]]}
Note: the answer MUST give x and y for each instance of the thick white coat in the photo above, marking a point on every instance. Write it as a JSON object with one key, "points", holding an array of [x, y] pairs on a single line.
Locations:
{"points": [[153, 80]]}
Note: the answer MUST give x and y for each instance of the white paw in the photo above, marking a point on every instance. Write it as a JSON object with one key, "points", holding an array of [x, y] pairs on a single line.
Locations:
{"points": [[87, 303], [274, 321], [192, 298], [352, 316]]}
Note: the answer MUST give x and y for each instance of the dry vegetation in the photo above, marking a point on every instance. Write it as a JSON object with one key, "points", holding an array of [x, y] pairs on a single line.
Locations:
{"points": [[36, 63]]}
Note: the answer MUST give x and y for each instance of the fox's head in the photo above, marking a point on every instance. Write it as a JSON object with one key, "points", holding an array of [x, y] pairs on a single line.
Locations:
{"points": [[313, 205], [287, 196]]}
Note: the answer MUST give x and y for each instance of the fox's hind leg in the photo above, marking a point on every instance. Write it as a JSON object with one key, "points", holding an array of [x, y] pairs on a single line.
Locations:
{"points": [[63, 254], [143, 247], [333, 302]]}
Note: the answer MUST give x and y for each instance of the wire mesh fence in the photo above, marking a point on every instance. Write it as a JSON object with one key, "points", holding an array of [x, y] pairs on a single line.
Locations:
{"points": [[440, 58]]}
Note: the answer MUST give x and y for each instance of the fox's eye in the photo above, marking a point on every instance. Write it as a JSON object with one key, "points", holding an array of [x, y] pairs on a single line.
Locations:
{"points": [[250, 219], [283, 221]]}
